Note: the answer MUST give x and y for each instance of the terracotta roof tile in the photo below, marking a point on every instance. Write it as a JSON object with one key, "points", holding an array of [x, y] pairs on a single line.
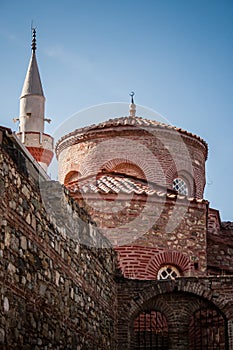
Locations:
{"points": [[124, 121], [114, 184]]}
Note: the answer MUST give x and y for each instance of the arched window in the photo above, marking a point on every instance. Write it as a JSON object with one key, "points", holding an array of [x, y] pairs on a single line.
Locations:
{"points": [[167, 272], [71, 177], [180, 186], [129, 169], [125, 167], [151, 331], [207, 330]]}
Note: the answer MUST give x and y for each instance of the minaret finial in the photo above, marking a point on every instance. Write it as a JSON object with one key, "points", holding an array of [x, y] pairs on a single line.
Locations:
{"points": [[132, 106], [33, 39]]}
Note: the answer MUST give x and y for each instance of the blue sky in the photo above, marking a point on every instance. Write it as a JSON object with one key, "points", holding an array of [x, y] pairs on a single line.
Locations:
{"points": [[177, 56]]}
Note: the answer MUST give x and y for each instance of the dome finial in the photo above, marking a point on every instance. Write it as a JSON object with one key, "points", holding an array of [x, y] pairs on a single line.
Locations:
{"points": [[132, 95], [132, 106], [33, 29]]}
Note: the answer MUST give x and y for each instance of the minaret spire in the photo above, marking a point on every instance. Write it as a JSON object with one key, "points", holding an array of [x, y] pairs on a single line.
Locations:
{"points": [[32, 83], [132, 106], [32, 111], [33, 40]]}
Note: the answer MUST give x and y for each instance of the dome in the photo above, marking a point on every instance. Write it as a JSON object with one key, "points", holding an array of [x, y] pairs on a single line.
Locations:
{"points": [[134, 146], [123, 121]]}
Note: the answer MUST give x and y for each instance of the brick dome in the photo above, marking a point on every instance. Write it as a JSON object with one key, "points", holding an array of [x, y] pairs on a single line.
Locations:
{"points": [[137, 147]]}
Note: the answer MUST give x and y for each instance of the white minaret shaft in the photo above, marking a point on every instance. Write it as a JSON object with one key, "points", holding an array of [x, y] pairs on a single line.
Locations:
{"points": [[32, 100], [32, 114]]}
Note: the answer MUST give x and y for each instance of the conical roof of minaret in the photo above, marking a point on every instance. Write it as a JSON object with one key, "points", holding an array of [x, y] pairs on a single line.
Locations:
{"points": [[32, 83]]}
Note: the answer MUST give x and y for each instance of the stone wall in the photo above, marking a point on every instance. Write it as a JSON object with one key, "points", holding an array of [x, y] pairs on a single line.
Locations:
{"points": [[56, 270]]}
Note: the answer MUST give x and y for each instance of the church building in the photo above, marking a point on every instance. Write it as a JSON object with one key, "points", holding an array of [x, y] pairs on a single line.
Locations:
{"points": [[124, 251]]}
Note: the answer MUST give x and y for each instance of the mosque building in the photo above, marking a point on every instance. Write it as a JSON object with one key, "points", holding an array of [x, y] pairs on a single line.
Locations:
{"points": [[124, 252]]}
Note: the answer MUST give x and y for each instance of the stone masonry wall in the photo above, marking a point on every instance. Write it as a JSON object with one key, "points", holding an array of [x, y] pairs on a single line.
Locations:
{"points": [[56, 270]]}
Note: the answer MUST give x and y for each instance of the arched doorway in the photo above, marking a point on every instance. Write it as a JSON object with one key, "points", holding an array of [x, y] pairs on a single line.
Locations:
{"points": [[150, 331]]}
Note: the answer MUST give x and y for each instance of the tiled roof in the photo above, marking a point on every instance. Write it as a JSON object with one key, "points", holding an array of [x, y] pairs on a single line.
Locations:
{"points": [[127, 121], [115, 184], [4, 128]]}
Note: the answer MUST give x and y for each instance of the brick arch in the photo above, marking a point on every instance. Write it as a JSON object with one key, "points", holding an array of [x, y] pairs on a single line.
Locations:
{"points": [[163, 303], [71, 176], [157, 303], [196, 288], [146, 293], [148, 301], [137, 167], [125, 166], [190, 179], [198, 303], [181, 261], [187, 285], [149, 298]]}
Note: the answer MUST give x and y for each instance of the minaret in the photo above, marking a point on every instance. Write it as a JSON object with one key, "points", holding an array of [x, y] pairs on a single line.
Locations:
{"points": [[132, 106], [31, 119]]}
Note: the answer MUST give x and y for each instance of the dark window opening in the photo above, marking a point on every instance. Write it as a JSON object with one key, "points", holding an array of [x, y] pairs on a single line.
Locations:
{"points": [[151, 331], [208, 330]]}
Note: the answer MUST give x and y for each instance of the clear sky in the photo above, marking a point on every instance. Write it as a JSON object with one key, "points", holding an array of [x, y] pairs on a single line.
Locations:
{"points": [[177, 55]]}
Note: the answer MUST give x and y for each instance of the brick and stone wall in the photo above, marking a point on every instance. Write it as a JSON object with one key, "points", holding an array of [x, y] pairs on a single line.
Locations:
{"points": [[220, 249], [56, 270], [177, 300], [149, 232]]}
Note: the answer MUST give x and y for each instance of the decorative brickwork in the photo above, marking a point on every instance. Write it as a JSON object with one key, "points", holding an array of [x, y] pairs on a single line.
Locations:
{"points": [[144, 262], [41, 155], [39, 144]]}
